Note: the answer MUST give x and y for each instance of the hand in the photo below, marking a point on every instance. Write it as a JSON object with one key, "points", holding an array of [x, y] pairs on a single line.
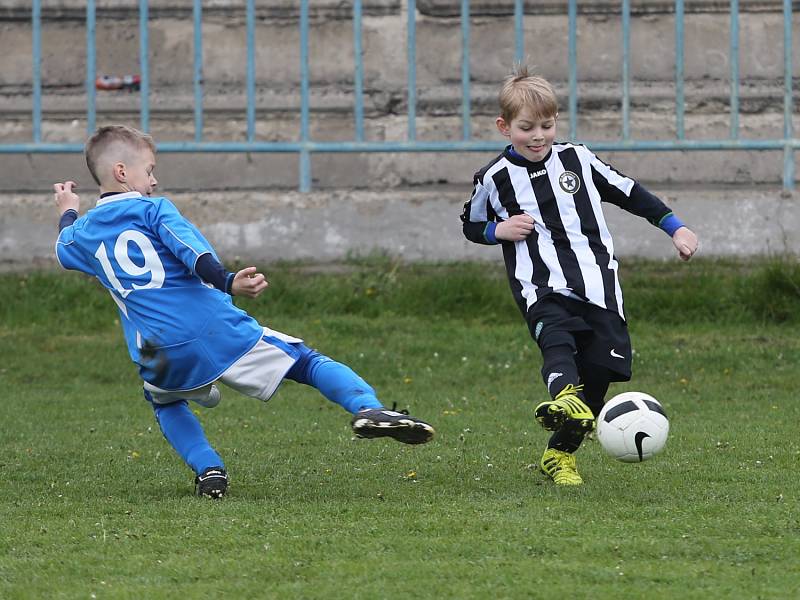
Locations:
{"points": [[685, 242], [65, 198], [515, 229], [248, 282]]}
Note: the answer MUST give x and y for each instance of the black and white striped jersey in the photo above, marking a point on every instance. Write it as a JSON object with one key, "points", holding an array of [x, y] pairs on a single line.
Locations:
{"points": [[570, 250]]}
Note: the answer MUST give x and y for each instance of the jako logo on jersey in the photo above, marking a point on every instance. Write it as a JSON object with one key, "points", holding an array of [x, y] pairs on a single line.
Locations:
{"points": [[538, 173], [569, 182]]}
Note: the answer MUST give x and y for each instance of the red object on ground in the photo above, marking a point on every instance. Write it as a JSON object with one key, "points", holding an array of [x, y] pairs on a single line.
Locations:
{"points": [[126, 82]]}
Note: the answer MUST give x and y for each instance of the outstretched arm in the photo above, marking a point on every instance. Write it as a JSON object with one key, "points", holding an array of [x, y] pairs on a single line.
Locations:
{"points": [[247, 282], [642, 203]]}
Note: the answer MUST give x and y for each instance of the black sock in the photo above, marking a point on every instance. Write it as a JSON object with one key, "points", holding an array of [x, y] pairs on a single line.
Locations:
{"points": [[567, 439], [559, 369]]}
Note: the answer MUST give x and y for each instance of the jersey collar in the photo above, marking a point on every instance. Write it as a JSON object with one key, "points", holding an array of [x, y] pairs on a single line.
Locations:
{"points": [[515, 158], [120, 196]]}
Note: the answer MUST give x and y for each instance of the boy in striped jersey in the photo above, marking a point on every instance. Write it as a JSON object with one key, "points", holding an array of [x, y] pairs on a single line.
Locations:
{"points": [[540, 200]]}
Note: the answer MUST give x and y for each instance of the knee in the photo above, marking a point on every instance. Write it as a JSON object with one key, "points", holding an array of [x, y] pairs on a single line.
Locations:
{"points": [[552, 340], [302, 368], [169, 408]]}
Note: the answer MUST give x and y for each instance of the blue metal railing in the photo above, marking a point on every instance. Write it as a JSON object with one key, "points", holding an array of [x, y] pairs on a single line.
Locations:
{"points": [[573, 68], [90, 68], [679, 95], [790, 143], [358, 77], [305, 146], [197, 15], [251, 71], [626, 70], [411, 44], [144, 67], [734, 58], [36, 55]]}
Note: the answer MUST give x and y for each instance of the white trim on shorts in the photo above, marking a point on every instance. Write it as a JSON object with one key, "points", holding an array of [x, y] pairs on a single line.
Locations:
{"points": [[256, 374]]}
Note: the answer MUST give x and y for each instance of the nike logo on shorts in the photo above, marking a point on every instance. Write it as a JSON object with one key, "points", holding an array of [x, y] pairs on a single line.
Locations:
{"points": [[615, 355]]}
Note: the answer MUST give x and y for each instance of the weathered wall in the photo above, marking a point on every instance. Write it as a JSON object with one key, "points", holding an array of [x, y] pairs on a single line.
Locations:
{"points": [[264, 227]]}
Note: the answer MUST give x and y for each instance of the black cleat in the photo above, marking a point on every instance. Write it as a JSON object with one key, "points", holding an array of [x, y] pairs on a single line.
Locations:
{"points": [[382, 422], [213, 483]]}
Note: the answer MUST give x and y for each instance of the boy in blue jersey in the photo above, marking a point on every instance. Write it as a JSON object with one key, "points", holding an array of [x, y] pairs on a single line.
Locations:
{"points": [[542, 201], [181, 327]]}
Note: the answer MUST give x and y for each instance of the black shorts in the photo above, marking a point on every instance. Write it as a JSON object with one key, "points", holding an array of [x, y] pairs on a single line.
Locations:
{"points": [[601, 336]]}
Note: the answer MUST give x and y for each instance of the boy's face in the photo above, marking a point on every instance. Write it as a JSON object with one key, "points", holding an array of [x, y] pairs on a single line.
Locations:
{"points": [[531, 136], [136, 174]]}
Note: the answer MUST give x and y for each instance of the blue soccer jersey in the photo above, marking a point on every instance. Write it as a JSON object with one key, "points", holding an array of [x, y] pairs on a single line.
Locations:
{"points": [[180, 331]]}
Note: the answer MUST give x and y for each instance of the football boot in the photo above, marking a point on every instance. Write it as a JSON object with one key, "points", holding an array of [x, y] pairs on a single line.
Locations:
{"points": [[565, 407], [560, 467], [213, 483], [398, 425]]}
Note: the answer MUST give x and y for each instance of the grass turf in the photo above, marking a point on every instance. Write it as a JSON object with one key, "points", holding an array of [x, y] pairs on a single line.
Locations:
{"points": [[96, 504]]}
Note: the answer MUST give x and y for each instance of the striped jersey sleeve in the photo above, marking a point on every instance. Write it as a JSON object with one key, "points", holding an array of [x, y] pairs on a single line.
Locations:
{"points": [[629, 195], [479, 216]]}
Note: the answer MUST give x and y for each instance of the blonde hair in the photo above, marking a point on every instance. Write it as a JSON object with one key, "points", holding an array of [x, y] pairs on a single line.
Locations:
{"points": [[521, 90], [106, 137]]}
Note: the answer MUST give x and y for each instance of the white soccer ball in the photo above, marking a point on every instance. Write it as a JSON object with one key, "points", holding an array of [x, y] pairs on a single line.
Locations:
{"points": [[632, 427]]}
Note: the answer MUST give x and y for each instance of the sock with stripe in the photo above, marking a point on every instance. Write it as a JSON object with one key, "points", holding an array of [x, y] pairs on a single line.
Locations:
{"points": [[559, 368], [337, 382]]}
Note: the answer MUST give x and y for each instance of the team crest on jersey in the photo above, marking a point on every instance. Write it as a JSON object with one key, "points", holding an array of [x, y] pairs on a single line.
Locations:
{"points": [[569, 182]]}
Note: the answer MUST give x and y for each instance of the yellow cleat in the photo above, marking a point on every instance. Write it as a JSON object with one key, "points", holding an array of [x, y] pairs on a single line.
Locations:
{"points": [[566, 407], [560, 467]]}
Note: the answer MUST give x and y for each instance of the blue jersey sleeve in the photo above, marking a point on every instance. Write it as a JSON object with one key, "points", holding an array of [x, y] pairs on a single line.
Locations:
{"points": [[178, 234], [69, 254]]}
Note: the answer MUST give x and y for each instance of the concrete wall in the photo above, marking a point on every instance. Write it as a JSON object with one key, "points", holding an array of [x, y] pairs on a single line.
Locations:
{"points": [[264, 227]]}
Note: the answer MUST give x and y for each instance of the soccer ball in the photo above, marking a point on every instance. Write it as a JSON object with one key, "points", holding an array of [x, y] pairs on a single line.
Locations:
{"points": [[632, 427]]}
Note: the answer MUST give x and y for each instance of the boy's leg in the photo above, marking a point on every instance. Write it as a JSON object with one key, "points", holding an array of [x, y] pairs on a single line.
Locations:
{"points": [[340, 384], [558, 460], [596, 380], [555, 327], [602, 357], [185, 434], [555, 322]]}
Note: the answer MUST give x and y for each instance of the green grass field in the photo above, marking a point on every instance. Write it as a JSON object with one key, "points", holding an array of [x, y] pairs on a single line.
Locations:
{"points": [[96, 505]]}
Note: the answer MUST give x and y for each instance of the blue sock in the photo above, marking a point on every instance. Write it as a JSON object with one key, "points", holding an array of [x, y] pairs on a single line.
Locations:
{"points": [[184, 433], [337, 382]]}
